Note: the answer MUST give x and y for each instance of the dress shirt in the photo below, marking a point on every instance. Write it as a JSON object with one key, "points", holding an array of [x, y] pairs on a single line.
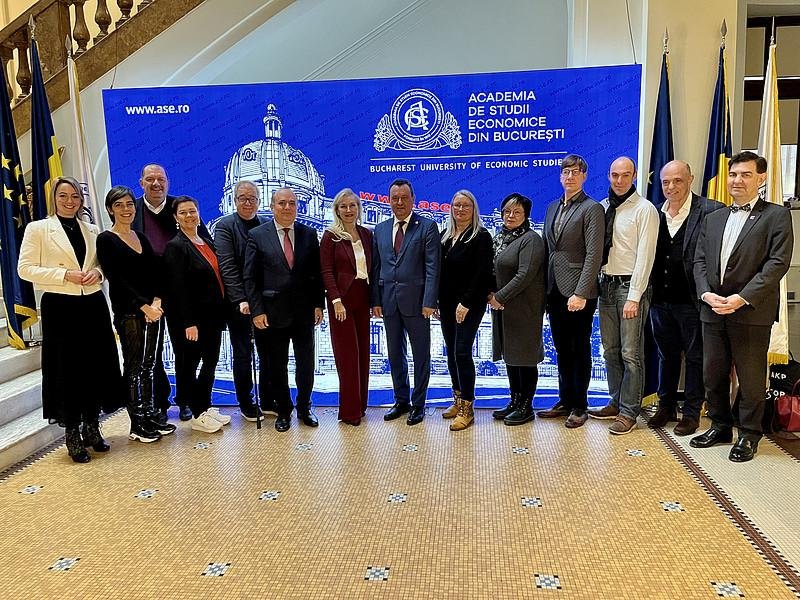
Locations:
{"points": [[279, 228], [564, 207], [634, 243], [155, 209], [675, 223], [361, 260], [405, 227], [733, 227]]}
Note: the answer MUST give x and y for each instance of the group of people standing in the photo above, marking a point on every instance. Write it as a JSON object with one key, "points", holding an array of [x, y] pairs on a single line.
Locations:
{"points": [[268, 281]]}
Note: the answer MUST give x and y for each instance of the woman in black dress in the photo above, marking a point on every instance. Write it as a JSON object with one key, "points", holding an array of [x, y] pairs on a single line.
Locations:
{"points": [[130, 266], [80, 363], [195, 304], [466, 280]]}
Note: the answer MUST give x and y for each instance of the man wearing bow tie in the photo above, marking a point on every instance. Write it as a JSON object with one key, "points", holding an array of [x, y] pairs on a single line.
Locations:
{"points": [[742, 254], [405, 276]]}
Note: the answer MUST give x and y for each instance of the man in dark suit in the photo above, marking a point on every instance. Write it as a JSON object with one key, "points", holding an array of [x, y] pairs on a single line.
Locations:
{"points": [[742, 254], [230, 236], [284, 290], [574, 229], [405, 286], [675, 311]]}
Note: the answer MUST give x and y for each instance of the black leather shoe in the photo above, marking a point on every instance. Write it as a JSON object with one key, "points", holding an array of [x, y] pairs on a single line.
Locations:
{"points": [[416, 415], [185, 413], [502, 413], [282, 423], [743, 450], [397, 411], [90, 432], [308, 417], [712, 437]]}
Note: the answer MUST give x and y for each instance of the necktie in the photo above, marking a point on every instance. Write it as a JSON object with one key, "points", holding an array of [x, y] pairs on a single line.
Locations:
{"points": [[398, 237], [288, 251], [744, 207]]}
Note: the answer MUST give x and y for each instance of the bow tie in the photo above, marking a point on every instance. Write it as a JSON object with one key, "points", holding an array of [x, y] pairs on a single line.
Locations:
{"points": [[744, 207]]}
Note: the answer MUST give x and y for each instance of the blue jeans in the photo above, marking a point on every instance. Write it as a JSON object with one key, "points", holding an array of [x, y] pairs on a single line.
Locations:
{"points": [[676, 328], [623, 346]]}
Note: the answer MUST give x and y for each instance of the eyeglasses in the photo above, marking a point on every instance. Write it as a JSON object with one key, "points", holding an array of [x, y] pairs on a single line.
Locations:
{"points": [[247, 199], [462, 206], [573, 172], [513, 213]]}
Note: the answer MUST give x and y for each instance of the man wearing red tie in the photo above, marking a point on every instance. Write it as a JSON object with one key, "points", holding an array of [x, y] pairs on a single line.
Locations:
{"points": [[284, 290]]}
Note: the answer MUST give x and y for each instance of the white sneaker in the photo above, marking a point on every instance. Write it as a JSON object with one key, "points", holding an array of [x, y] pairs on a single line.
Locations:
{"points": [[206, 423], [214, 413]]}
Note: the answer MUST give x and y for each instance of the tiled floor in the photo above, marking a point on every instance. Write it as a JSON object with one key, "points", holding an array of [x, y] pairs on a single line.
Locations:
{"points": [[384, 511]]}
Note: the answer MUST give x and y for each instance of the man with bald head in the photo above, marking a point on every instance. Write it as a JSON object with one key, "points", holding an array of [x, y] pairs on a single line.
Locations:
{"points": [[675, 309], [628, 253]]}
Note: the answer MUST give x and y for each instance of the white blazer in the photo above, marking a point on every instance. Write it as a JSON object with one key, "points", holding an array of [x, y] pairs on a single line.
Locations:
{"points": [[46, 255]]}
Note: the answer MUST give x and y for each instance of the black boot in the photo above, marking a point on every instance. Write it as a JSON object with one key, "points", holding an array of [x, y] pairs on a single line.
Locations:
{"points": [[143, 430], [91, 437], [522, 413], [510, 407], [75, 445]]}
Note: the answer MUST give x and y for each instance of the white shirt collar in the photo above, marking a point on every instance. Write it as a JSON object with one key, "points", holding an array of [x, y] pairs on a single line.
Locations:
{"points": [[683, 210], [155, 209]]}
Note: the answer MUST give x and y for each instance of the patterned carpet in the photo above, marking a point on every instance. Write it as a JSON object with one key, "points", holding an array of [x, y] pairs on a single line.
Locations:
{"points": [[387, 511]]}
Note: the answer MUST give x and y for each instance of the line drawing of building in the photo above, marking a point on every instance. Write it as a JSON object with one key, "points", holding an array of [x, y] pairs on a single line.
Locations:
{"points": [[271, 164]]}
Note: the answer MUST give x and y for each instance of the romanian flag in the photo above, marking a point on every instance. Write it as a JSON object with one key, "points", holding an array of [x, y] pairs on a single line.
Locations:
{"points": [[662, 150], [769, 146], [715, 175], [46, 165], [20, 305]]}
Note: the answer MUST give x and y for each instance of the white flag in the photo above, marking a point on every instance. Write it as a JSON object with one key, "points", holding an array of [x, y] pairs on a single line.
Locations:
{"points": [[83, 169], [769, 146]]}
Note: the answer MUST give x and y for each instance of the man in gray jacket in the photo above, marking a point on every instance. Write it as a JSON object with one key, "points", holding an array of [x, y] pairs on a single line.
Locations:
{"points": [[574, 227]]}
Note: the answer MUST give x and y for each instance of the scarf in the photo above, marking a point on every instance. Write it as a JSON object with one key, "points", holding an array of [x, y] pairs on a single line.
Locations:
{"points": [[614, 202], [505, 236]]}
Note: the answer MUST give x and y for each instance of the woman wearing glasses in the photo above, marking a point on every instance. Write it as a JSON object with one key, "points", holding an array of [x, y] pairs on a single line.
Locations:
{"points": [[464, 286], [518, 306]]}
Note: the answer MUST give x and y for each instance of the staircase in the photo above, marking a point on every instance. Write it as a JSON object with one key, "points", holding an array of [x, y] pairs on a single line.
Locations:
{"points": [[23, 431]]}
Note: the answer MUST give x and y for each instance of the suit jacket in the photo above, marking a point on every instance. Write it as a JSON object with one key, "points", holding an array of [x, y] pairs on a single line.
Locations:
{"points": [[338, 262], [575, 253], [760, 258], [700, 208], [408, 281], [46, 254], [230, 237], [193, 296], [286, 295]]}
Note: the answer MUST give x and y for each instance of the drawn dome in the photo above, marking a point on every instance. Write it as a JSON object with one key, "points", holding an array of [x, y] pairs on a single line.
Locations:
{"points": [[272, 164]]}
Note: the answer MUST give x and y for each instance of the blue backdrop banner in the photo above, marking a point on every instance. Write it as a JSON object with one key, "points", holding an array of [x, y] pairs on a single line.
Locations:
{"points": [[492, 133]]}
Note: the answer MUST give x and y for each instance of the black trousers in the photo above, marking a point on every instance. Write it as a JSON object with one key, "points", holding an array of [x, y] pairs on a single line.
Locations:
{"points": [[239, 328], [727, 344], [458, 340], [138, 340], [272, 344], [572, 332], [161, 387], [523, 380], [191, 385]]}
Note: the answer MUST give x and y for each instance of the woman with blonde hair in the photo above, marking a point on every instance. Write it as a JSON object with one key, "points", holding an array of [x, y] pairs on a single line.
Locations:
{"points": [[79, 352], [466, 280], [346, 260]]}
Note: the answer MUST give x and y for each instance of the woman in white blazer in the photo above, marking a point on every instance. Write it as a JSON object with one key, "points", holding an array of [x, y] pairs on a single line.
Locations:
{"points": [[80, 364]]}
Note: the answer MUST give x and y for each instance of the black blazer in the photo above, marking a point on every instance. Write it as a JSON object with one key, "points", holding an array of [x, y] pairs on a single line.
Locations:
{"points": [[466, 274], [230, 236], [194, 297], [700, 208], [759, 260], [287, 296]]}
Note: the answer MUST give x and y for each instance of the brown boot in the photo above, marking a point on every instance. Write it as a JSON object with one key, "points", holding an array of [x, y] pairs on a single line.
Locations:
{"points": [[465, 418], [453, 410], [663, 415]]}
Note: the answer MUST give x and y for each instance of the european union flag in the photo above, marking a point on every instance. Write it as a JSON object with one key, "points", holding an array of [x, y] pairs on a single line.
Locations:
{"points": [[15, 214], [662, 150], [44, 148], [715, 174]]}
